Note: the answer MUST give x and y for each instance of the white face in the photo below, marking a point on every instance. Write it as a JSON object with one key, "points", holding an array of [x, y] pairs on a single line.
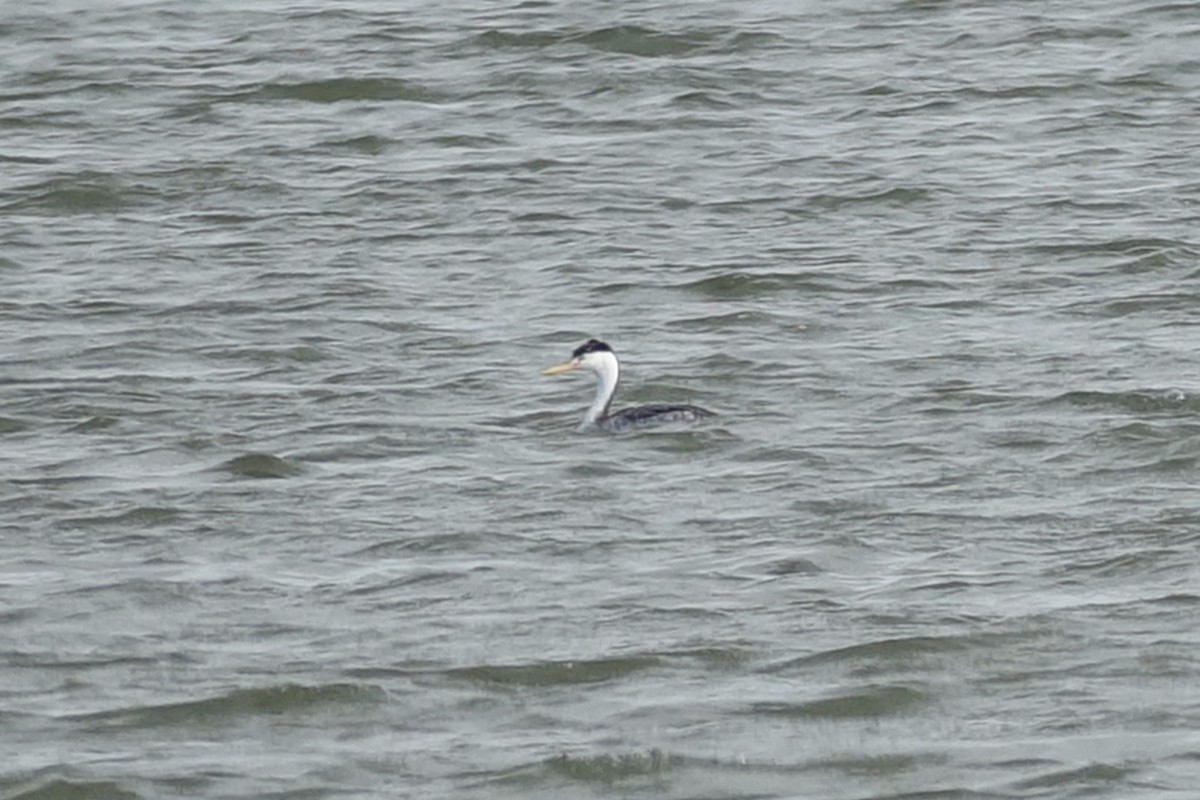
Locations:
{"points": [[601, 362], [595, 361]]}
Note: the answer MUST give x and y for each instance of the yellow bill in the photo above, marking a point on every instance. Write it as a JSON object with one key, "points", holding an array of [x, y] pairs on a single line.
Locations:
{"points": [[563, 367]]}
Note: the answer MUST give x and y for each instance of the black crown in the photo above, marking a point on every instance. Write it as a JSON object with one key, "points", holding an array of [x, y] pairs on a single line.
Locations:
{"points": [[591, 346]]}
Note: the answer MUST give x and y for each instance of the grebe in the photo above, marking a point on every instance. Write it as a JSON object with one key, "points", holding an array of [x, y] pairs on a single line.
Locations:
{"points": [[598, 358]]}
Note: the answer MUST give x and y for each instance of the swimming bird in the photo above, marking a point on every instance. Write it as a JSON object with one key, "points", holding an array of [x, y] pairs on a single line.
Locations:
{"points": [[599, 359]]}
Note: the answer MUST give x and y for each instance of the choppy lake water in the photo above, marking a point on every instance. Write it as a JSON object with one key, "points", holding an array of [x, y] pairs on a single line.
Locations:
{"points": [[287, 511]]}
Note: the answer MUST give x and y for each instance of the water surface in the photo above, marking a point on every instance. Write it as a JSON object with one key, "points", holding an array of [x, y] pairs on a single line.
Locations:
{"points": [[286, 510]]}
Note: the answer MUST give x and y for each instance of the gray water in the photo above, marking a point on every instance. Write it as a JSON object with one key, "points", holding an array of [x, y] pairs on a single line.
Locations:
{"points": [[287, 511]]}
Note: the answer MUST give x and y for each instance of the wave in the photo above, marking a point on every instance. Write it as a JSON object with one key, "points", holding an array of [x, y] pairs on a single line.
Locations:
{"points": [[288, 698]]}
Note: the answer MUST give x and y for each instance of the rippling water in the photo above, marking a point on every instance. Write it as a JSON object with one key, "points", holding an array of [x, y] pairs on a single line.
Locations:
{"points": [[287, 510]]}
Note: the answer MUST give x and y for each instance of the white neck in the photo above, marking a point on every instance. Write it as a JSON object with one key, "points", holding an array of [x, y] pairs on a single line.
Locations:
{"points": [[608, 372]]}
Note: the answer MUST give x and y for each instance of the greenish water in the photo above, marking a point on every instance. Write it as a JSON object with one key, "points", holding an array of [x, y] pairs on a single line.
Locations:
{"points": [[286, 509]]}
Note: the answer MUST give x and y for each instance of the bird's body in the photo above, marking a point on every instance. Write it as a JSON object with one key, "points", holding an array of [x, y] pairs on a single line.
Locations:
{"points": [[598, 358]]}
